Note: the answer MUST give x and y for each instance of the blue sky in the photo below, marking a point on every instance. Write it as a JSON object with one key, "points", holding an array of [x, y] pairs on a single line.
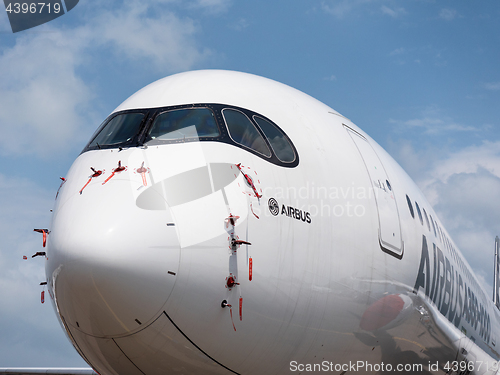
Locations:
{"points": [[421, 77]]}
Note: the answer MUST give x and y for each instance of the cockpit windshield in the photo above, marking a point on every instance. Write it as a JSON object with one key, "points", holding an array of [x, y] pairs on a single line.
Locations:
{"points": [[182, 124], [277, 139], [185, 123], [244, 132], [121, 129]]}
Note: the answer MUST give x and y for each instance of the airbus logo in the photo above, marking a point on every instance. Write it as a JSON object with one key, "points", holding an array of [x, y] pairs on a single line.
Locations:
{"points": [[274, 208], [288, 211]]}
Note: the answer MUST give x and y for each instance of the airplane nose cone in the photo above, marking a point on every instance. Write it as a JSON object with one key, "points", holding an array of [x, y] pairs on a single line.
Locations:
{"points": [[111, 264]]}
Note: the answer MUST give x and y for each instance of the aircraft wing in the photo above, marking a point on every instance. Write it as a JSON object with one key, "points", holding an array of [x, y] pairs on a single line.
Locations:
{"points": [[47, 371]]}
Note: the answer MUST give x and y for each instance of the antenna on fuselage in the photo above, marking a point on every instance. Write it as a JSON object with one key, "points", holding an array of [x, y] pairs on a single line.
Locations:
{"points": [[496, 281]]}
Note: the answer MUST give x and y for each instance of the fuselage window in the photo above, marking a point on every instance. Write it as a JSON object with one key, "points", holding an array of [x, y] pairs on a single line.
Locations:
{"points": [[278, 141], [180, 124], [121, 129], [441, 236], [433, 226], [426, 219], [244, 132], [419, 214], [410, 206]]}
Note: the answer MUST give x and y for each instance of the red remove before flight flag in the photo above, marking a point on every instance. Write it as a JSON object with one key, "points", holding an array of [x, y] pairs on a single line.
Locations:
{"points": [[241, 308], [250, 269]]}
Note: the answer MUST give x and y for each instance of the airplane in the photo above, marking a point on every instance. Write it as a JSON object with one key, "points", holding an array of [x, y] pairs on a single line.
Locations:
{"points": [[219, 222]]}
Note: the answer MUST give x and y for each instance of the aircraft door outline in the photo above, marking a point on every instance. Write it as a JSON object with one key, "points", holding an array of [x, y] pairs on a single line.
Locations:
{"points": [[388, 216]]}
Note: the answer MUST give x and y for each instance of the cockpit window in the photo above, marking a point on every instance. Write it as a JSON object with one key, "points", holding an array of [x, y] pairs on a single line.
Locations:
{"points": [[119, 130], [244, 132], [277, 140], [211, 122], [182, 124]]}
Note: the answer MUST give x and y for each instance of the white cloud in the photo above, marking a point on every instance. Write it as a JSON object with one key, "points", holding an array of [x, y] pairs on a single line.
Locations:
{"points": [[398, 51], [433, 122], [341, 8], [493, 86], [469, 197], [211, 3], [4, 23], [448, 14], [436, 125], [400, 55], [470, 160], [331, 78], [463, 189], [424, 54], [393, 12], [415, 162], [41, 94], [468, 205], [215, 6], [239, 24], [165, 41]]}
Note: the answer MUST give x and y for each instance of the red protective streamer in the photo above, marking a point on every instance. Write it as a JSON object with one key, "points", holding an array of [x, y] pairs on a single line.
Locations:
{"points": [[44, 232], [231, 312], [63, 180], [249, 181], [42, 298], [84, 186], [250, 271], [116, 170], [94, 175], [241, 308], [254, 214], [143, 171]]}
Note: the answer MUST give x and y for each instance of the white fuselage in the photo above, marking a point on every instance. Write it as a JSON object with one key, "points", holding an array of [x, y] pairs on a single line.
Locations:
{"points": [[146, 276]]}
